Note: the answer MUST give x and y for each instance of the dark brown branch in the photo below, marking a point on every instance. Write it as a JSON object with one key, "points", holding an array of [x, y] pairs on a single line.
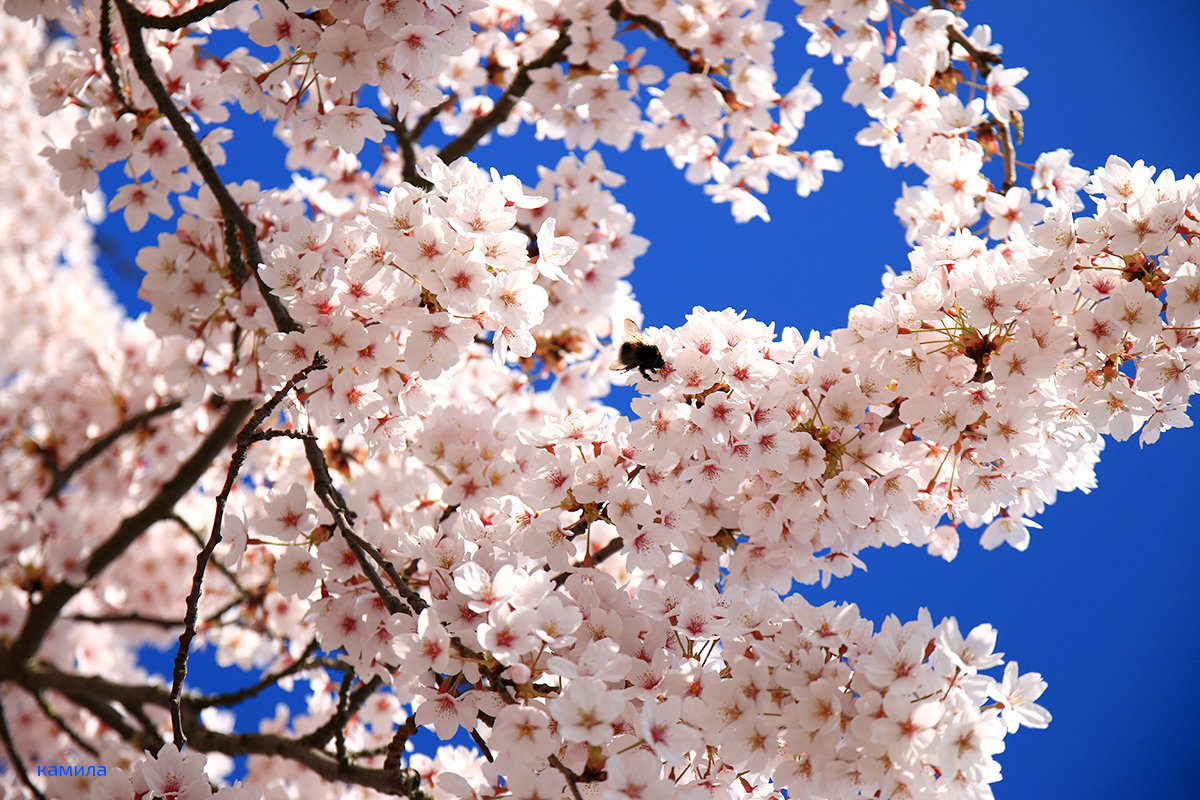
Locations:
{"points": [[241, 695], [521, 82], [226, 571], [414, 600], [339, 734], [572, 778], [694, 61], [984, 61], [612, 548], [1010, 156], [333, 501], [15, 760], [106, 54], [134, 619], [245, 438], [345, 711], [104, 442], [182, 20], [234, 216], [42, 615], [407, 139], [982, 58], [95, 693], [62, 725]]}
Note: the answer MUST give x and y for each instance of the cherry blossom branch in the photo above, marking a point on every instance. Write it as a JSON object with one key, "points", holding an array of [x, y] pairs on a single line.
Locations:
{"points": [[229, 574], [1010, 156], [506, 102], [571, 777], [106, 54], [241, 695], [14, 759], [93, 692], [42, 614], [696, 63], [246, 437], [182, 20], [414, 600], [62, 725], [610, 549], [138, 619], [62, 477], [406, 138], [984, 60], [232, 212], [343, 714], [336, 505], [345, 711]]}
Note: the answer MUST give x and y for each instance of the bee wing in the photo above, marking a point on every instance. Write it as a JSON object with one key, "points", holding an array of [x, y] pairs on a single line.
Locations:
{"points": [[619, 366], [633, 332]]}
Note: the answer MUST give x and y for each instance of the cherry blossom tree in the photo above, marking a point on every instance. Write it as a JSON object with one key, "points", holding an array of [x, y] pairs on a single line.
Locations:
{"points": [[359, 444]]}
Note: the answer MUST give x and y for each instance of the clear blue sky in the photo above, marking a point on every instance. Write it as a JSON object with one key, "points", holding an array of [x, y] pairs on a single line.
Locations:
{"points": [[1104, 602]]}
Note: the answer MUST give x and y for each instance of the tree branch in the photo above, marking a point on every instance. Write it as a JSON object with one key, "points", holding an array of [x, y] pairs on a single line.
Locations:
{"points": [[182, 20], [336, 505], [241, 695], [93, 692], [507, 101], [984, 60], [62, 477], [15, 760], [245, 438], [42, 615], [106, 53], [235, 218]]}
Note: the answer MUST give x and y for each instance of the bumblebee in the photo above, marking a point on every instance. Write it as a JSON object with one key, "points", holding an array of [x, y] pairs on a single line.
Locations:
{"points": [[638, 353]]}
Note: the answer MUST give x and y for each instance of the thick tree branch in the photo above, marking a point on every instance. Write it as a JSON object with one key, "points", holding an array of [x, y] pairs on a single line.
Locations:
{"points": [[92, 693], [183, 19], [235, 217], [43, 613], [507, 101], [63, 476]]}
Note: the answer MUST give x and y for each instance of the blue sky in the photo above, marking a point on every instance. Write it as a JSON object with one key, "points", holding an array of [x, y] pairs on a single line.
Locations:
{"points": [[1105, 600]]}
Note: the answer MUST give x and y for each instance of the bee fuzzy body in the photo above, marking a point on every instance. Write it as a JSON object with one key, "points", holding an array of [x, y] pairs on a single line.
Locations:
{"points": [[636, 352]]}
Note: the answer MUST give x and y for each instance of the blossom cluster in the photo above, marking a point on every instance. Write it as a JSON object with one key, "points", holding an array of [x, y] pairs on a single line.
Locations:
{"points": [[597, 598]]}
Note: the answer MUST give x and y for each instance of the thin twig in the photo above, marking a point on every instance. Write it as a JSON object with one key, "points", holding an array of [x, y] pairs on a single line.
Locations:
{"points": [[345, 711], [245, 438], [363, 550], [610, 549], [506, 102], [62, 725], [106, 54], [984, 61], [234, 216], [63, 476], [15, 760], [570, 776], [241, 695]]}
